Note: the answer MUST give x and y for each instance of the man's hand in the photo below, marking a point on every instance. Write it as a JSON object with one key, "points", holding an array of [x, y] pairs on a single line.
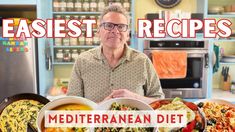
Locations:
{"points": [[126, 93], [121, 93]]}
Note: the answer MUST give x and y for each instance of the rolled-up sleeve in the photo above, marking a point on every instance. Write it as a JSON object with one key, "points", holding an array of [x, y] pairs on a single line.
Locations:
{"points": [[153, 85], [75, 87]]}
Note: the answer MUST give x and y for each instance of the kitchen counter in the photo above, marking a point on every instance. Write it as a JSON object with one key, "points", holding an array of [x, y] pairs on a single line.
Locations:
{"points": [[225, 95]]}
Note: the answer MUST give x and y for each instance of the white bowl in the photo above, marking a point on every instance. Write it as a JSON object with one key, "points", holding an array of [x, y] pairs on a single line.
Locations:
{"points": [[62, 101], [126, 101], [106, 105]]}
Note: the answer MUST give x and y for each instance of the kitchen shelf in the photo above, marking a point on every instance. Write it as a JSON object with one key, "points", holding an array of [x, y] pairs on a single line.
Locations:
{"points": [[221, 16], [63, 63], [78, 46], [224, 40], [76, 13], [81, 13], [227, 63]]}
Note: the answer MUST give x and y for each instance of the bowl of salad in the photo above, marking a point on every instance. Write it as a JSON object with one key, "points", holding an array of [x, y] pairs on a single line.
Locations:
{"points": [[123, 104], [195, 117]]}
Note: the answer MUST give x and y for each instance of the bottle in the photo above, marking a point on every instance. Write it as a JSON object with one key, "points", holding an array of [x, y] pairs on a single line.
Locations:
{"points": [[233, 87], [70, 5], [86, 5], [101, 5], [93, 6], [56, 5], [62, 6], [126, 5], [67, 56], [74, 55], [59, 55], [78, 5]]}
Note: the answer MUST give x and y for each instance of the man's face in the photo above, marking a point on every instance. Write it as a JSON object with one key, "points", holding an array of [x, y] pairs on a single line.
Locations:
{"points": [[114, 30]]}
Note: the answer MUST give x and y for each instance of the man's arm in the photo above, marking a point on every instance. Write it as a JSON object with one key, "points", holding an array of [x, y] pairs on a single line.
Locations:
{"points": [[153, 85], [75, 87]]}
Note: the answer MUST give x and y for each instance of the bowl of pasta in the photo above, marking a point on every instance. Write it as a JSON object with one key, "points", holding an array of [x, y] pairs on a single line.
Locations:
{"points": [[220, 114]]}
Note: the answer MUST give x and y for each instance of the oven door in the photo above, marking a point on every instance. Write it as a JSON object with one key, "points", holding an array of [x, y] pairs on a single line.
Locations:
{"points": [[194, 85]]}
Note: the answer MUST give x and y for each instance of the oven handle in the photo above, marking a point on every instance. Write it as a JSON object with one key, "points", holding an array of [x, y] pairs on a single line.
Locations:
{"points": [[201, 53], [206, 60]]}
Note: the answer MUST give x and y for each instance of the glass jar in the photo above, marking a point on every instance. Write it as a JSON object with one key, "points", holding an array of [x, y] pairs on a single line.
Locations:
{"points": [[82, 40], [58, 17], [101, 5], [67, 18], [126, 5], [78, 5], [89, 41], [115, 2], [93, 6], [62, 5], [86, 5], [73, 41], [67, 56], [118, 2], [70, 5], [66, 41], [56, 5], [74, 55], [76, 17], [59, 55], [58, 41]]}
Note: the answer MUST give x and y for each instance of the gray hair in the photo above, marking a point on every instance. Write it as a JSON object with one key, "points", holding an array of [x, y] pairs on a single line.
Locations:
{"points": [[117, 9]]}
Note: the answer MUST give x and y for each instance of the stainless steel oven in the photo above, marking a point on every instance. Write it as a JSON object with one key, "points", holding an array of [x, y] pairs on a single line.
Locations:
{"points": [[194, 85]]}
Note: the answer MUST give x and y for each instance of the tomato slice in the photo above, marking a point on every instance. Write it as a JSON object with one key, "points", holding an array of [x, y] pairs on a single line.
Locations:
{"points": [[155, 105], [189, 127], [191, 105], [164, 102]]}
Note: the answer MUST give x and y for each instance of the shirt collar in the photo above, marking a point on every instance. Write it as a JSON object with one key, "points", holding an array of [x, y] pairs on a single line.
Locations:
{"points": [[127, 53]]}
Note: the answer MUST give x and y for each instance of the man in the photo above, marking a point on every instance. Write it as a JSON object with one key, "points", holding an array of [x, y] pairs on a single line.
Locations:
{"points": [[113, 69]]}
